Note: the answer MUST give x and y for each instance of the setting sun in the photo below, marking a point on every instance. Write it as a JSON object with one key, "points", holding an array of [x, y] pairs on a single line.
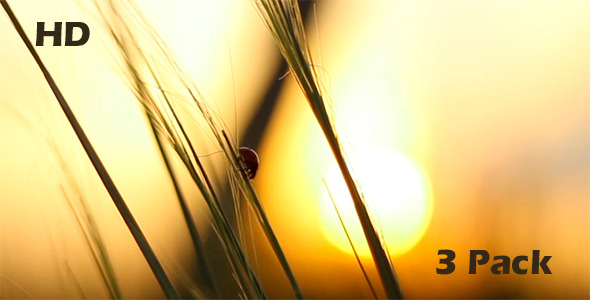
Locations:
{"points": [[397, 193]]}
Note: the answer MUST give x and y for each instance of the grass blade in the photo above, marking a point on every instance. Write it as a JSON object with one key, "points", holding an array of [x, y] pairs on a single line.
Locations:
{"points": [[254, 200], [95, 243], [283, 19], [126, 214], [192, 227], [83, 216], [161, 109], [356, 255]]}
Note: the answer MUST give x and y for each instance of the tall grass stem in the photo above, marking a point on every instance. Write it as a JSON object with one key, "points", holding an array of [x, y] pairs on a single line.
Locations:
{"points": [[122, 207], [284, 21]]}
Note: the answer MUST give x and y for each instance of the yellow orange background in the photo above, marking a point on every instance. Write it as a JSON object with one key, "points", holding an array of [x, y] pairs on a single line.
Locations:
{"points": [[490, 100]]}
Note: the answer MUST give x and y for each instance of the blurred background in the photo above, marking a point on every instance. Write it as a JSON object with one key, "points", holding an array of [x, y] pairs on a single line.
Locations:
{"points": [[467, 123]]}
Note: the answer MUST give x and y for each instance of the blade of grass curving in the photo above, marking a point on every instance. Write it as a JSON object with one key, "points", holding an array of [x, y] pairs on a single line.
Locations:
{"points": [[167, 120], [94, 242], [227, 147], [356, 255], [283, 19], [254, 200], [90, 229], [72, 276], [215, 205], [199, 176], [203, 265], [126, 214], [83, 215], [215, 201], [192, 227], [230, 151], [17, 286]]}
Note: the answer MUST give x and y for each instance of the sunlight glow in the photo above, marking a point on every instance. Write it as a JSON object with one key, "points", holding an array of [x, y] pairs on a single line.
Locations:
{"points": [[398, 197]]}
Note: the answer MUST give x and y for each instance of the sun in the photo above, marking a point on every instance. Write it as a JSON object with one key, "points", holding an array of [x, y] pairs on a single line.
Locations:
{"points": [[397, 194]]}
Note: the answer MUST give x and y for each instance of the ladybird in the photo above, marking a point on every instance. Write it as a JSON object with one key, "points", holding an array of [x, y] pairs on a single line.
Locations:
{"points": [[250, 159]]}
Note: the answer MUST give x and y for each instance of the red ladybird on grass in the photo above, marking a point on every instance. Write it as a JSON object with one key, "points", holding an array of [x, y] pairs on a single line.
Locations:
{"points": [[250, 159]]}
